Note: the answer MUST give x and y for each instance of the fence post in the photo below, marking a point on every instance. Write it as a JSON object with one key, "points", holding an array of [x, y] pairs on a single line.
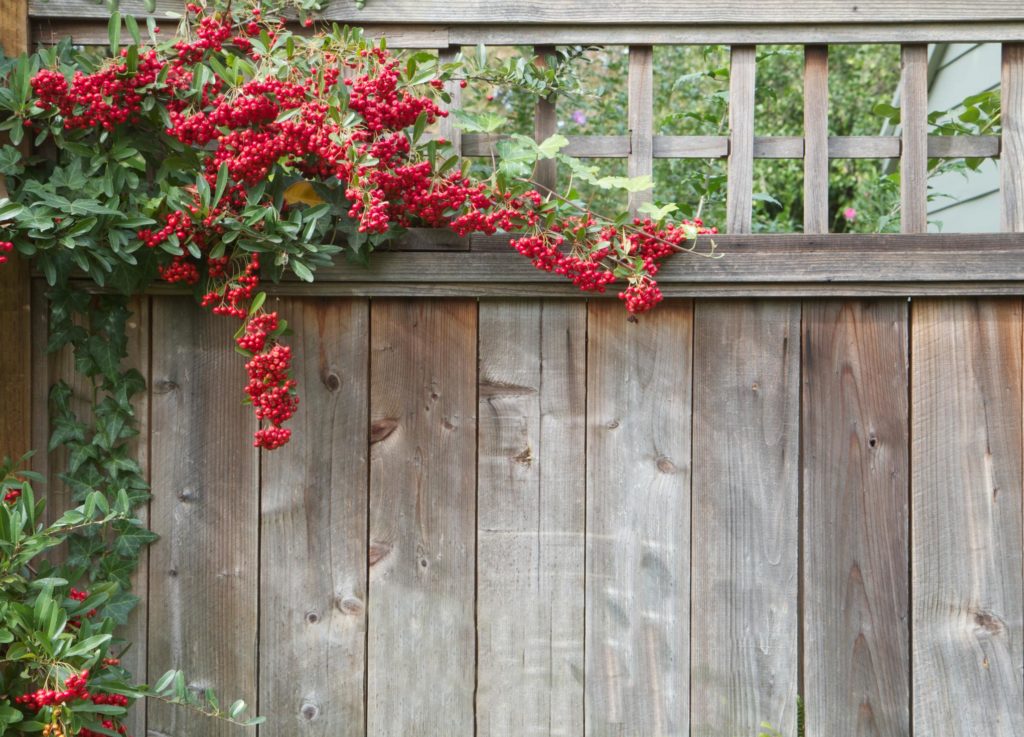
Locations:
{"points": [[1011, 163], [15, 296]]}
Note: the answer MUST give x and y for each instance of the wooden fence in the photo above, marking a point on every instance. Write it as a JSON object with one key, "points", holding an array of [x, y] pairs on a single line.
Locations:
{"points": [[509, 511]]}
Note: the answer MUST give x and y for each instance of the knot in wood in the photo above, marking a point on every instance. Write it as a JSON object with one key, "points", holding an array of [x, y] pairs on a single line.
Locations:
{"points": [[332, 381], [988, 622], [312, 617], [348, 605], [188, 495], [164, 386], [665, 465], [310, 711]]}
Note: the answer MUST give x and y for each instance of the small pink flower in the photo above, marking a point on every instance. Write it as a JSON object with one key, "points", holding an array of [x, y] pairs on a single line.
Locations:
{"points": [[850, 214], [579, 117]]}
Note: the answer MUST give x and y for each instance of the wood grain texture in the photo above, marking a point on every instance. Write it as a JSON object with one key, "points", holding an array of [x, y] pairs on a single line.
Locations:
{"points": [[421, 641], [15, 293], [565, 290], [761, 258], [816, 139], [740, 184], [313, 531], [640, 117], [531, 517], [136, 630], [545, 125], [966, 518], [1011, 164], [204, 569], [447, 126], [93, 31], [638, 521], [746, 415], [802, 12], [855, 518], [809, 31], [914, 139]]}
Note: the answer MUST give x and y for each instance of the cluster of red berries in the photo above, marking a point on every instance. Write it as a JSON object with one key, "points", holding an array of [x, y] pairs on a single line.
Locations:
{"points": [[5, 248], [12, 496], [230, 296], [74, 688], [272, 392], [77, 595], [103, 99]]}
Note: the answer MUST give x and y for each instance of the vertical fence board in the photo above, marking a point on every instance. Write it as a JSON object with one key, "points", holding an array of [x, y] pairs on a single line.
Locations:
{"points": [[914, 132], [15, 293], [532, 393], [816, 139], [640, 113], [136, 631], [966, 518], [447, 125], [545, 125], [203, 571], [855, 507], [421, 642], [1011, 156], [745, 508], [739, 198], [313, 532], [638, 521]]}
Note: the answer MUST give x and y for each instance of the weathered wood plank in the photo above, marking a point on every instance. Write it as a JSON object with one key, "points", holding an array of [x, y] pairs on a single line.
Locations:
{"points": [[313, 531], [1011, 165], [690, 147], [769, 33], [855, 518], [421, 641], [447, 125], [203, 571], [545, 125], [136, 631], [966, 518], [531, 517], [740, 175], [608, 11], [93, 32], [954, 147], [761, 258], [480, 290], [914, 137], [15, 294], [640, 116], [863, 147], [778, 147], [746, 414], [638, 521], [816, 139], [483, 144]]}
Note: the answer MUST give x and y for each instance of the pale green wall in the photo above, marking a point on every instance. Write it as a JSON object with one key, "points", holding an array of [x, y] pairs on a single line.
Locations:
{"points": [[957, 71]]}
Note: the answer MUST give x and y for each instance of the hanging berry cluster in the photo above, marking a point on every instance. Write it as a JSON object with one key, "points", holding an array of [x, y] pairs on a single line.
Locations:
{"points": [[297, 141]]}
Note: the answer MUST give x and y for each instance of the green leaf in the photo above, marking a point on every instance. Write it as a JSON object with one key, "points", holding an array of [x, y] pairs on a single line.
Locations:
{"points": [[236, 709], [114, 32], [165, 681], [87, 645], [301, 270], [551, 146]]}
